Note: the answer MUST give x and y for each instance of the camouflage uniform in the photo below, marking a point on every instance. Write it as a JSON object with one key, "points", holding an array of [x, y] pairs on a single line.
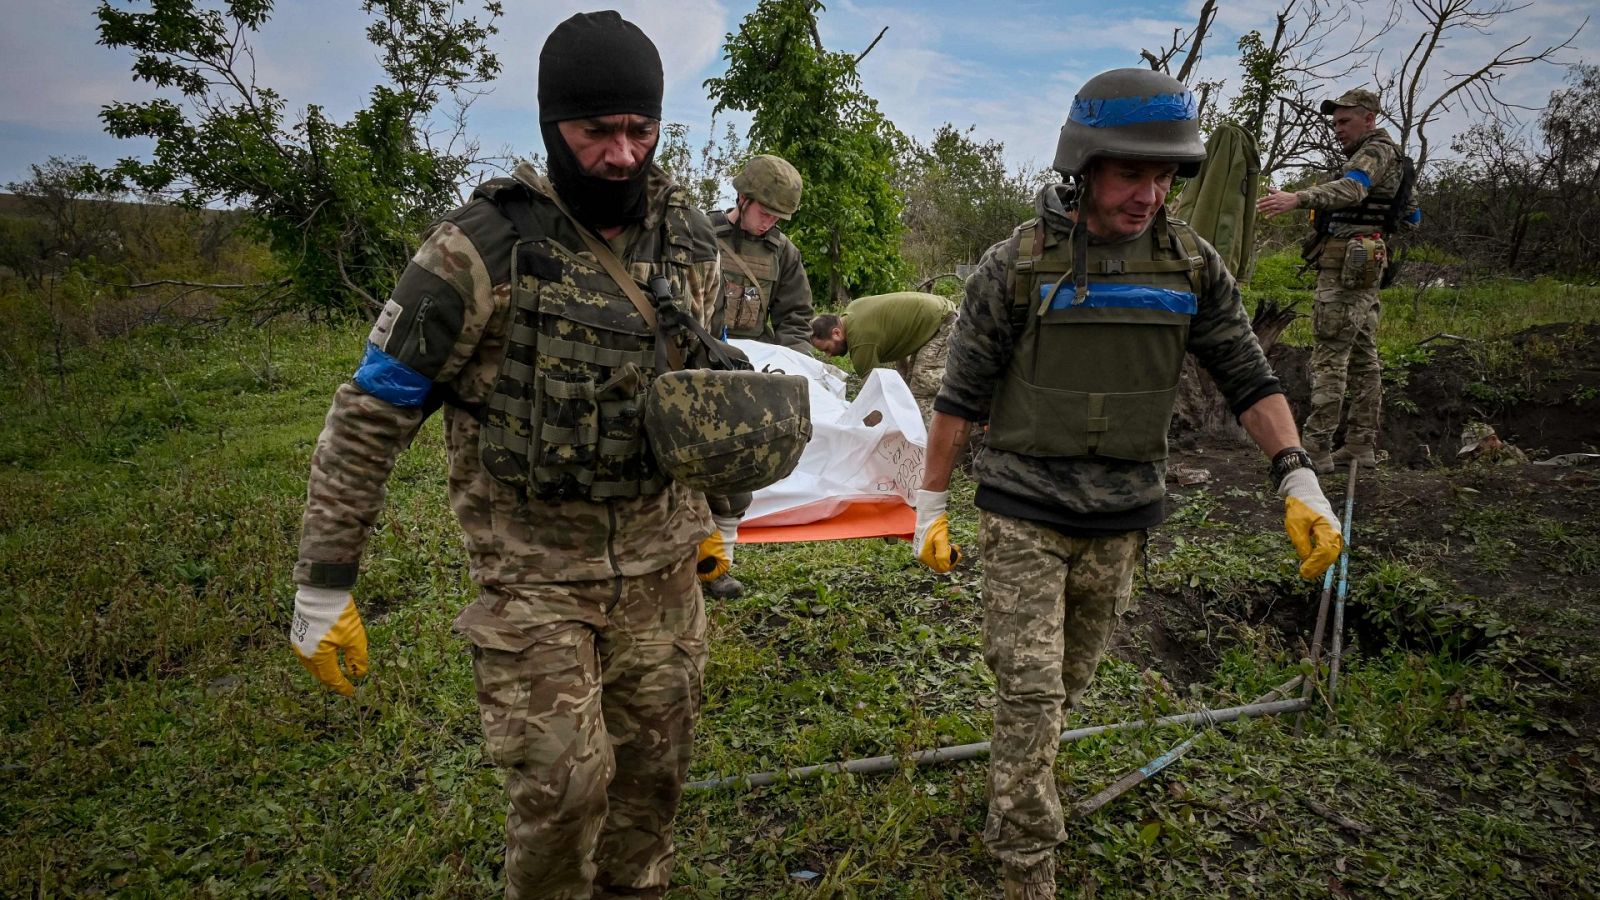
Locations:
{"points": [[1060, 536], [1345, 320], [775, 309], [588, 629]]}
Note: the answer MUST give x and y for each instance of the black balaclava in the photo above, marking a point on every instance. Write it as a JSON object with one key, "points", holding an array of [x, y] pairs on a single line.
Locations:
{"points": [[597, 64]]}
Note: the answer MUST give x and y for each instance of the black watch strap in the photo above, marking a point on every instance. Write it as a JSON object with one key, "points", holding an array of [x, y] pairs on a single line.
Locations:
{"points": [[1286, 461]]}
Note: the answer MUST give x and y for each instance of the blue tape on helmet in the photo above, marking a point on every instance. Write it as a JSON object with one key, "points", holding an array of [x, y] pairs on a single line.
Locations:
{"points": [[1360, 177], [391, 380], [1113, 112]]}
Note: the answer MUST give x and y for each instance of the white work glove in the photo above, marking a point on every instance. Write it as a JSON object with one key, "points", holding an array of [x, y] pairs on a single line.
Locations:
{"points": [[931, 542], [326, 623], [1310, 522]]}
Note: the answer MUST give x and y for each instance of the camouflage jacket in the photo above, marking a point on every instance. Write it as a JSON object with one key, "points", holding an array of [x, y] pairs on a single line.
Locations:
{"points": [[782, 285], [1084, 495], [1373, 169], [446, 324]]}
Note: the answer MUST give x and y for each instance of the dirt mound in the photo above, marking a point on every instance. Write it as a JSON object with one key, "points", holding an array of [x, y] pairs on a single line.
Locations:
{"points": [[1540, 388]]}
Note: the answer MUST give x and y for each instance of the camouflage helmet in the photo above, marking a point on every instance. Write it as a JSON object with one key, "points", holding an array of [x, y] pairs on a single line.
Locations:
{"points": [[727, 432], [772, 182], [1132, 114], [1474, 435]]}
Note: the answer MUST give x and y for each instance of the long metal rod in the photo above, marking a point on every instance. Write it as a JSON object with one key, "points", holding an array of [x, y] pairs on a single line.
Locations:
{"points": [[1344, 589], [1322, 608], [1129, 781], [878, 764]]}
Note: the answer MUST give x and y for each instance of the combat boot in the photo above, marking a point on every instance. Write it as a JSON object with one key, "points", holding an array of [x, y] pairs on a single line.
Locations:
{"points": [[1321, 460], [724, 587], [1366, 456]]}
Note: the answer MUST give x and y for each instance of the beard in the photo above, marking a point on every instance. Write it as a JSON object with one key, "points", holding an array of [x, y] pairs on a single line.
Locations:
{"points": [[606, 199]]}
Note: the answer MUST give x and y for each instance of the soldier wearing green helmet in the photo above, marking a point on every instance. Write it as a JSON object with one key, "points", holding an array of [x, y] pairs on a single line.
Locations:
{"points": [[1069, 343], [765, 297]]}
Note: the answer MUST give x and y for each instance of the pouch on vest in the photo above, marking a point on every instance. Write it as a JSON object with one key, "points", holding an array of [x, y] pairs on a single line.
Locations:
{"points": [[1363, 263]]}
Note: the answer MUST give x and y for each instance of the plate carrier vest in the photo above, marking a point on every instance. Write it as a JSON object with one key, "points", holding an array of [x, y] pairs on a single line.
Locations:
{"points": [[1095, 365], [749, 280], [565, 418]]}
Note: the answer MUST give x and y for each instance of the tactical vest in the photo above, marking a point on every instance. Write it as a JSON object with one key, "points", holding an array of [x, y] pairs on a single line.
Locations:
{"points": [[1095, 373], [565, 420], [1381, 214], [749, 279]]}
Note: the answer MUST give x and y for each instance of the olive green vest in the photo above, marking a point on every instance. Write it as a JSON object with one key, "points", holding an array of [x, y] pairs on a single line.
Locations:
{"points": [[565, 419], [749, 279], [1095, 365]]}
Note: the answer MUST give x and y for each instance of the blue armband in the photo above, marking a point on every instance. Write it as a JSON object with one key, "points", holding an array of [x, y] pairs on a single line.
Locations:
{"points": [[1414, 217], [391, 380], [1360, 177]]}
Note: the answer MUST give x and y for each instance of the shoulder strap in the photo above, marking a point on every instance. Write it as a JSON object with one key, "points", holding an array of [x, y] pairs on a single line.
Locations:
{"points": [[1030, 246], [613, 267], [743, 266]]}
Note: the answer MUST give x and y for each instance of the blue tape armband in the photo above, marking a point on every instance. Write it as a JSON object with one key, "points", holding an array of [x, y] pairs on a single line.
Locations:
{"points": [[1414, 217], [391, 380], [1114, 112], [1360, 177]]}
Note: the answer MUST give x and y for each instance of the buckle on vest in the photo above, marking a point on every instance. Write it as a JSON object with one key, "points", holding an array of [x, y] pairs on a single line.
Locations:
{"points": [[1112, 267]]}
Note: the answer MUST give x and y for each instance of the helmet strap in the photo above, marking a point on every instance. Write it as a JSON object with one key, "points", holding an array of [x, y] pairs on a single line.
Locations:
{"points": [[1080, 238]]}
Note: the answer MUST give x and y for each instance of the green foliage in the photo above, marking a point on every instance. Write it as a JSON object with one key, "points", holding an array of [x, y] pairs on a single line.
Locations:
{"points": [[339, 203], [960, 199], [157, 737], [705, 173], [807, 106]]}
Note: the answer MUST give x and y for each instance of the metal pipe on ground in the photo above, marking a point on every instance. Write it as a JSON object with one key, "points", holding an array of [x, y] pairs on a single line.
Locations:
{"points": [[1344, 590], [1322, 608], [1129, 781], [879, 764]]}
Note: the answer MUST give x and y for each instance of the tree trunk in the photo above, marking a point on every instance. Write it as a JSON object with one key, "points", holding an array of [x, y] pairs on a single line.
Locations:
{"points": [[1201, 411]]}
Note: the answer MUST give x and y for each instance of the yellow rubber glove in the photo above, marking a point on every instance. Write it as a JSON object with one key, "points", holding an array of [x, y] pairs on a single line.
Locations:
{"points": [[326, 623], [1310, 522], [714, 561], [932, 538]]}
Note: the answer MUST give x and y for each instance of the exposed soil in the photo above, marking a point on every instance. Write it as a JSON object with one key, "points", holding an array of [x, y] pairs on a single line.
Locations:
{"points": [[1486, 532]]}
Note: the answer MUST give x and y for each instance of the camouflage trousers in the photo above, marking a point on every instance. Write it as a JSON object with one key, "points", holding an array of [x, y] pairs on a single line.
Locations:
{"points": [[1051, 603], [592, 725], [1345, 324], [923, 371]]}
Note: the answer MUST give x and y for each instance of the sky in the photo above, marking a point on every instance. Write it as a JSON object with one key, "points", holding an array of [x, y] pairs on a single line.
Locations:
{"points": [[1006, 69]]}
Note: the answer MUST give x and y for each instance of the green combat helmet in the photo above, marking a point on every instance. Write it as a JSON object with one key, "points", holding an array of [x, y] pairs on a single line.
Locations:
{"points": [[1132, 114], [727, 432], [772, 182]]}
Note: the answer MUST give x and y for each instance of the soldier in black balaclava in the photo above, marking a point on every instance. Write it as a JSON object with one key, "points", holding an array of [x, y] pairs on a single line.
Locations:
{"points": [[588, 626]]}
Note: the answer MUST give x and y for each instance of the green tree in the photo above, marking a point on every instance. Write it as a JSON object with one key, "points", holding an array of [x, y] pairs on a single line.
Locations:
{"points": [[339, 203], [809, 108], [959, 199], [704, 173]]}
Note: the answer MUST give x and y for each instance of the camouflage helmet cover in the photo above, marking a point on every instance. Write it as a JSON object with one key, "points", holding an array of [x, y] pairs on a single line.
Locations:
{"points": [[1474, 435], [772, 182], [727, 432], [1357, 97], [1134, 114]]}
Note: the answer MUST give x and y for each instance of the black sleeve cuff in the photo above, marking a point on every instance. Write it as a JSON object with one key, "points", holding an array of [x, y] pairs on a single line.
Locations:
{"points": [[1256, 396], [333, 575], [951, 408]]}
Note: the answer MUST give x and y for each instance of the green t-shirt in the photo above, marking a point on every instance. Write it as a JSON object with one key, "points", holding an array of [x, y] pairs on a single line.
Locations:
{"points": [[883, 329]]}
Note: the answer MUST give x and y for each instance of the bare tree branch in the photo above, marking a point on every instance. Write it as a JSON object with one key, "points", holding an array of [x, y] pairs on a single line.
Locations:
{"points": [[873, 44]]}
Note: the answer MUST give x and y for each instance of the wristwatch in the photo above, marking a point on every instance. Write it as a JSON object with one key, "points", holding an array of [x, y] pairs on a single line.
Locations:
{"points": [[1287, 460]]}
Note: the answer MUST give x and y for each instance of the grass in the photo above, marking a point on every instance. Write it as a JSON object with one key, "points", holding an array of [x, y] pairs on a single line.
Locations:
{"points": [[1413, 313], [159, 739]]}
